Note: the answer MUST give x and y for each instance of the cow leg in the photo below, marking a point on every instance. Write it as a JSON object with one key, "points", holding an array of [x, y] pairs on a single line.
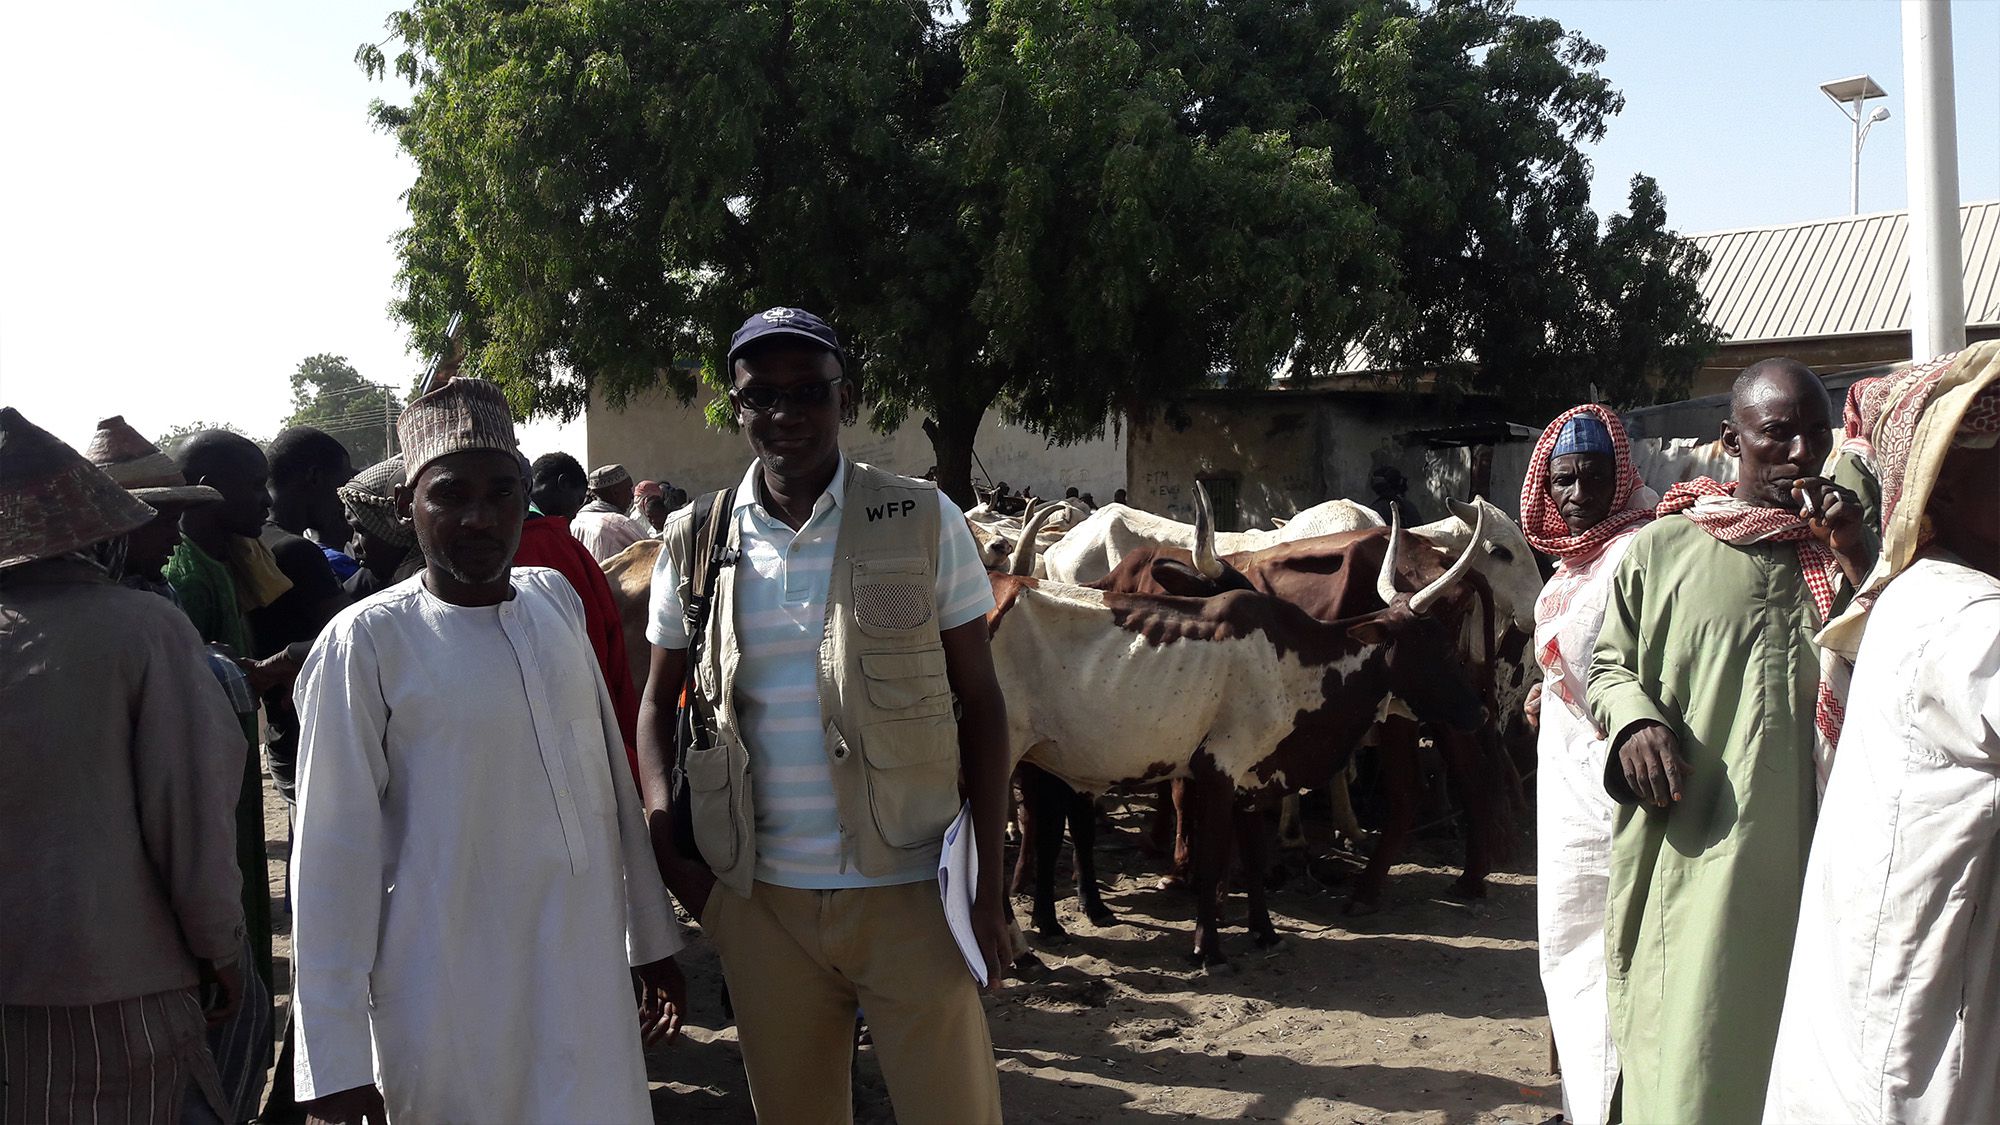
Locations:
{"points": [[1048, 797], [1250, 838], [1207, 805], [1083, 838], [1344, 821], [1291, 825], [1022, 824], [1402, 782], [1461, 758], [1179, 874]]}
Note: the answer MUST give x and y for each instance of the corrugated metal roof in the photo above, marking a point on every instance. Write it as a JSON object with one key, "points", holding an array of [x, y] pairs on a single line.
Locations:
{"points": [[1837, 277]]}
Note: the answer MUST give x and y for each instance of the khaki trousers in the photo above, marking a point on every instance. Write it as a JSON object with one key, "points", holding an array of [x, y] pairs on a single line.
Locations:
{"points": [[799, 963]]}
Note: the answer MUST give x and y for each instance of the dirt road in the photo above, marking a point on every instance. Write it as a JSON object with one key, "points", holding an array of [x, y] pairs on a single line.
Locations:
{"points": [[1427, 1011]]}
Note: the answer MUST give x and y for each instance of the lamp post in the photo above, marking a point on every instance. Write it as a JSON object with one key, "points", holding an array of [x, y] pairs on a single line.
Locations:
{"points": [[1852, 95]]}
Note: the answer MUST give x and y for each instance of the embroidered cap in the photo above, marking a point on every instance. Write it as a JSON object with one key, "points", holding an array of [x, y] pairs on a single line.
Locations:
{"points": [[140, 467], [609, 476], [784, 321], [463, 414], [52, 501]]}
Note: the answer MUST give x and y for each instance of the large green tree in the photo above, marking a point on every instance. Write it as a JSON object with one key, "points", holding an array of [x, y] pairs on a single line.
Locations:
{"points": [[329, 394], [1059, 209]]}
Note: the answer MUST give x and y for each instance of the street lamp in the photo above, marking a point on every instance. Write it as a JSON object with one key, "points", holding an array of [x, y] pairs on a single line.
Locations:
{"points": [[1856, 92]]}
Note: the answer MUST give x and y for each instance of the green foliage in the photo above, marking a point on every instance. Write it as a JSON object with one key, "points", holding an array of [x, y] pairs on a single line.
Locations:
{"points": [[1060, 208], [174, 435], [329, 394]]}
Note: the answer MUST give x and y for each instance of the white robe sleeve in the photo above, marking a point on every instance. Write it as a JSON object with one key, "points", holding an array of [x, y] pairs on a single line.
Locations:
{"points": [[337, 862], [650, 929]]}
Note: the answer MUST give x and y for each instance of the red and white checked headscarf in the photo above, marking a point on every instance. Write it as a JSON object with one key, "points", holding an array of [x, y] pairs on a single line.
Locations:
{"points": [[1631, 501]]}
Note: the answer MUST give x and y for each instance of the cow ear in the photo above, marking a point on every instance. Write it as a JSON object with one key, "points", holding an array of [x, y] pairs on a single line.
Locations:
{"points": [[1182, 580], [1370, 630]]}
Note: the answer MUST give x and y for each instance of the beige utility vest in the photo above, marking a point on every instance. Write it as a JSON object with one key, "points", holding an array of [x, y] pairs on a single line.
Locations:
{"points": [[886, 714]]}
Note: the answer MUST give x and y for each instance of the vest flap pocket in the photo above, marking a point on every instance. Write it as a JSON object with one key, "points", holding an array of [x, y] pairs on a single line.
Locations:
{"points": [[925, 740], [881, 568], [708, 770], [912, 779], [902, 681]]}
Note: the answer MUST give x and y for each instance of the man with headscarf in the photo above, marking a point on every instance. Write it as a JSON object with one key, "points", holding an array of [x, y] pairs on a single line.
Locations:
{"points": [[472, 874], [1893, 1008], [1582, 503], [119, 764], [384, 544], [602, 525], [649, 505], [241, 1046], [1705, 678]]}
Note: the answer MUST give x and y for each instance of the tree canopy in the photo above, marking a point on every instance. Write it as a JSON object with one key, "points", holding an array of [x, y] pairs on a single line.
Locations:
{"points": [[1057, 209], [329, 394]]}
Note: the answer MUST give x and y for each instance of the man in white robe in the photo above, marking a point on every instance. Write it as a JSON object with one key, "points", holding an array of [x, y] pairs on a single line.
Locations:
{"points": [[472, 875], [602, 525], [1582, 502], [1892, 1011]]}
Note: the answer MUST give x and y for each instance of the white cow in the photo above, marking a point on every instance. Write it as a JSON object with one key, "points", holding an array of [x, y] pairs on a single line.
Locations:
{"points": [[1094, 547], [996, 535]]}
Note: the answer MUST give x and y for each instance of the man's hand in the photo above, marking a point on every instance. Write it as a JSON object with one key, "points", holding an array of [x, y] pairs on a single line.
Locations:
{"points": [[275, 670], [1833, 515], [1532, 708], [360, 1106], [662, 994], [1653, 765], [222, 990], [989, 928]]}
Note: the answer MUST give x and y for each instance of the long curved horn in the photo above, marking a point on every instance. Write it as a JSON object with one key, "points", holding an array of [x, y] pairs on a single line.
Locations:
{"points": [[1385, 582], [1205, 560], [1022, 562], [1423, 599]]}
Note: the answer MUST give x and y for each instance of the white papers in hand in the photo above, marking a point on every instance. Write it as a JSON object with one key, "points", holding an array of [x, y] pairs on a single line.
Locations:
{"points": [[958, 878]]}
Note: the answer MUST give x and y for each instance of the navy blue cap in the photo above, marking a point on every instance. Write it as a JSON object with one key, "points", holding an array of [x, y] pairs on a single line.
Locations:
{"points": [[782, 321], [1583, 434]]}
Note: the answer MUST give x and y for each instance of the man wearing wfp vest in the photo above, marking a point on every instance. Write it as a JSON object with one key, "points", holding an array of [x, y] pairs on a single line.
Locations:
{"points": [[847, 612]]}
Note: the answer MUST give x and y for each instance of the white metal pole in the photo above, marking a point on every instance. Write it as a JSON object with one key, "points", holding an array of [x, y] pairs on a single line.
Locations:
{"points": [[1937, 290], [1854, 162]]}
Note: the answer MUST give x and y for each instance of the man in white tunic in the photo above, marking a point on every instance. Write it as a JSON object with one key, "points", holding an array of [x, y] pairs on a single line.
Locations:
{"points": [[471, 871], [1582, 503], [603, 525], [1892, 1013]]}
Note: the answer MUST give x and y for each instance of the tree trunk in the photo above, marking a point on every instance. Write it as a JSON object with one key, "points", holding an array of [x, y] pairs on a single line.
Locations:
{"points": [[952, 433]]}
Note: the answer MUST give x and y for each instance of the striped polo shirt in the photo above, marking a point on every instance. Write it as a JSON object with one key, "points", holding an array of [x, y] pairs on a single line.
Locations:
{"points": [[780, 600]]}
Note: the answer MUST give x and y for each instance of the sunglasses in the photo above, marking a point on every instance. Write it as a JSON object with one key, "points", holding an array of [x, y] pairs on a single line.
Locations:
{"points": [[762, 398]]}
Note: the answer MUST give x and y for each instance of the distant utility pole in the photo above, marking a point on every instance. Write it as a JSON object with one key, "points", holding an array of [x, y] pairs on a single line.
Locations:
{"points": [[1937, 286], [1851, 95]]}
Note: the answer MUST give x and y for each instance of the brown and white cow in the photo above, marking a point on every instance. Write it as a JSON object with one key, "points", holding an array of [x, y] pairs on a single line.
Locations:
{"points": [[630, 573], [1233, 691], [1098, 544]]}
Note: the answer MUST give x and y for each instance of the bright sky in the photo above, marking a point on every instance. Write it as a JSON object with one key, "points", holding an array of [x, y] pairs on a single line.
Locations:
{"points": [[194, 200]]}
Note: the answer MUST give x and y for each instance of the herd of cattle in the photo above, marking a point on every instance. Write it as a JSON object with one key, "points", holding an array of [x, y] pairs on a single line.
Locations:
{"points": [[1229, 669]]}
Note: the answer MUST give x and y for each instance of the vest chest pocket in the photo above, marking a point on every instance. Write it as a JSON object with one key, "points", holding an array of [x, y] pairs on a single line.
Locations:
{"points": [[907, 681], [893, 597]]}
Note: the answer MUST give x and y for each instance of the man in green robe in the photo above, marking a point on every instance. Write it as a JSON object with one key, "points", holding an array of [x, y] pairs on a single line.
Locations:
{"points": [[1706, 675]]}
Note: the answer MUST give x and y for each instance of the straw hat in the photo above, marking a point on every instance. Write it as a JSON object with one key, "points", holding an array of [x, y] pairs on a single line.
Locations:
{"points": [[141, 468], [52, 501]]}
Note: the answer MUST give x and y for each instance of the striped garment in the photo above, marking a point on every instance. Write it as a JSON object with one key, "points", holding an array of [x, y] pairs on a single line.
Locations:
{"points": [[120, 1062], [781, 591]]}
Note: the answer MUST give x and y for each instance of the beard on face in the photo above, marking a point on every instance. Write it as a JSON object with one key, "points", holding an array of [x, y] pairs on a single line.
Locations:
{"points": [[466, 560]]}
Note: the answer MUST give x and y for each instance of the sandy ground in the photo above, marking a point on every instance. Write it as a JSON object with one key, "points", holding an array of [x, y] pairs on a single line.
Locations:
{"points": [[1427, 1011]]}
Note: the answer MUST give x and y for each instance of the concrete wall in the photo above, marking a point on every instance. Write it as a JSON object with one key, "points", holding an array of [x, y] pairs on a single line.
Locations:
{"points": [[657, 438], [1287, 453]]}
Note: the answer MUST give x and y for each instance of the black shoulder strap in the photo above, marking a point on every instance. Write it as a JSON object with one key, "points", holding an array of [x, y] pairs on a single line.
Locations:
{"points": [[709, 552]]}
